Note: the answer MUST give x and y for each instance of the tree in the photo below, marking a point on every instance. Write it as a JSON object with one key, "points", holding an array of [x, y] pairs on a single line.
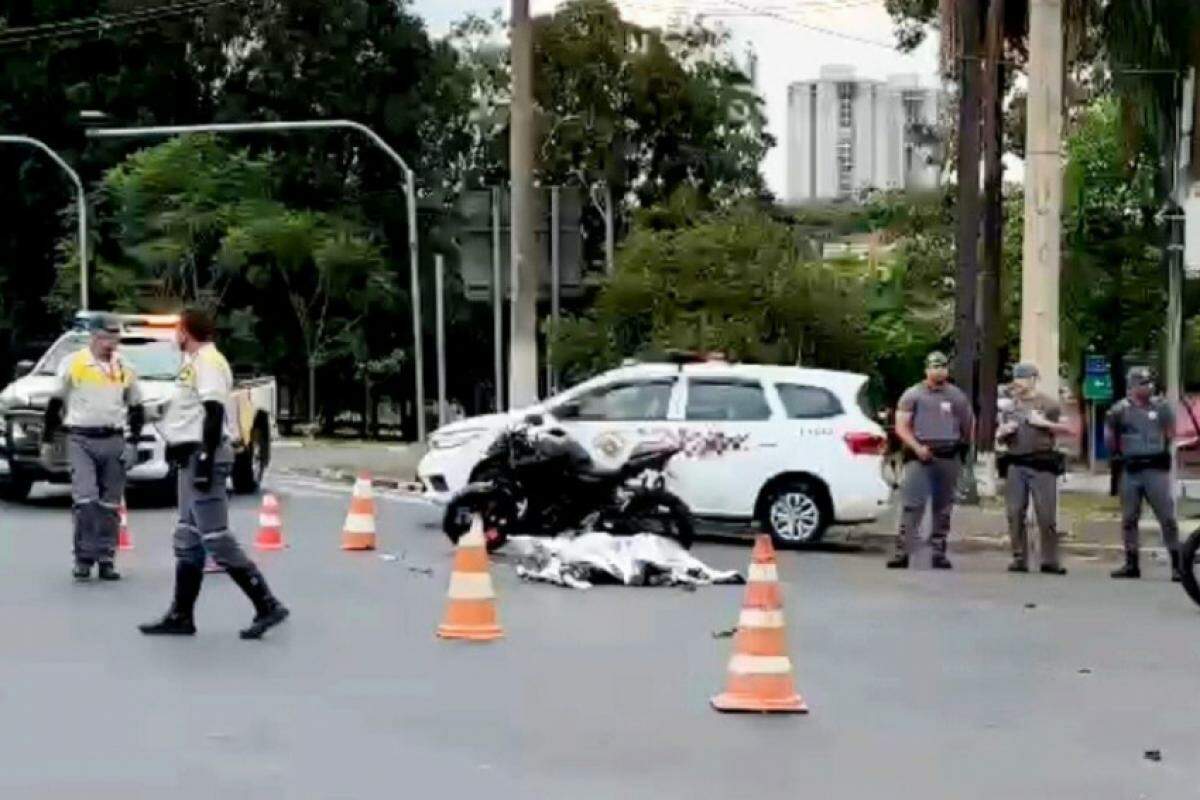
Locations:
{"points": [[728, 280], [195, 220]]}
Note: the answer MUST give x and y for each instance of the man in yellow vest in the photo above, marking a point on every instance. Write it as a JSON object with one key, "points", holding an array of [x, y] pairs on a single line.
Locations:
{"points": [[101, 396], [199, 428]]}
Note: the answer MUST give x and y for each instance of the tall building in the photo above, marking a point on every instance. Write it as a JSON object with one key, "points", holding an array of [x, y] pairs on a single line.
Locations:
{"points": [[846, 134]]}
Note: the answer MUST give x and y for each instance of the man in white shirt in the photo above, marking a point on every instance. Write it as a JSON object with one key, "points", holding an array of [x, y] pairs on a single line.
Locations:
{"points": [[101, 396], [198, 427]]}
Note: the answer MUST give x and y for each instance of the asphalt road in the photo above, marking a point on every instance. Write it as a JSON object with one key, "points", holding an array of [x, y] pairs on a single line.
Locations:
{"points": [[922, 685]]}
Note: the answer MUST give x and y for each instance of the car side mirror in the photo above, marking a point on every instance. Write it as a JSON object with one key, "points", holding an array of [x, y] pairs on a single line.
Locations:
{"points": [[535, 420], [22, 369], [567, 411]]}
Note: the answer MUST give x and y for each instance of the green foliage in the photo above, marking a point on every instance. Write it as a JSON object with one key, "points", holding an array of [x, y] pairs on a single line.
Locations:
{"points": [[729, 280]]}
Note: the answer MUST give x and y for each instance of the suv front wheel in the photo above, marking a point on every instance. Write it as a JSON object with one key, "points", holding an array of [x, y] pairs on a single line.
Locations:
{"points": [[795, 513]]}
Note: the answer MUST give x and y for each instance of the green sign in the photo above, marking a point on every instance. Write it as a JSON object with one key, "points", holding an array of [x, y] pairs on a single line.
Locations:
{"points": [[1097, 388]]}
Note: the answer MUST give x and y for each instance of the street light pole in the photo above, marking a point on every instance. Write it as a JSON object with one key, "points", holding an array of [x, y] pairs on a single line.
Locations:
{"points": [[80, 200], [310, 125], [523, 347]]}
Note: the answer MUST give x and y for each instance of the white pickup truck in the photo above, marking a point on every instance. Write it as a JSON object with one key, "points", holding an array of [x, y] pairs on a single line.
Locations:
{"points": [[147, 343]]}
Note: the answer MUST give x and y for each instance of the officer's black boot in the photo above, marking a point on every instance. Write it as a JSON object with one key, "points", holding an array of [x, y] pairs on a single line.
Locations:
{"points": [[1131, 568], [179, 620], [898, 561], [268, 612], [1018, 565], [82, 571], [940, 561], [1176, 574], [108, 572]]}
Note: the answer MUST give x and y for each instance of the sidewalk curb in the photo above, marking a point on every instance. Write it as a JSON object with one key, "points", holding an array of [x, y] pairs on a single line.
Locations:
{"points": [[971, 544], [347, 477]]}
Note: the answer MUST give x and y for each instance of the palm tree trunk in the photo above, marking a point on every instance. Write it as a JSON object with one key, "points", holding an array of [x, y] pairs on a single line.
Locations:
{"points": [[967, 234], [993, 225]]}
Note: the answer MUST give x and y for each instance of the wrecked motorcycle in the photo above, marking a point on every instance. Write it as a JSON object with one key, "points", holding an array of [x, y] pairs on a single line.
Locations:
{"points": [[1188, 566], [543, 483]]}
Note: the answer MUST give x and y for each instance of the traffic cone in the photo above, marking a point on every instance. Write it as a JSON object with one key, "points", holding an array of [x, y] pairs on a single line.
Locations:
{"points": [[471, 610], [359, 531], [760, 672], [270, 525], [124, 539]]}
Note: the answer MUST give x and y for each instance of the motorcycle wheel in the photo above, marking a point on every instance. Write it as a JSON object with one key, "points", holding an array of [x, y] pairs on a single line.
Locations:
{"points": [[1187, 565], [660, 513], [496, 508]]}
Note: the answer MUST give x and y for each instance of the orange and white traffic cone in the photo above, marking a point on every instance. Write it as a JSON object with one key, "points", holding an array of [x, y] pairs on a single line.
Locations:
{"points": [[471, 606], [760, 672], [270, 525], [359, 531], [124, 538]]}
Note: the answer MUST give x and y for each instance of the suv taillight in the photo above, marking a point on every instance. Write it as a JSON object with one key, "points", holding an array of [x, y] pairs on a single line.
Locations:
{"points": [[866, 444]]}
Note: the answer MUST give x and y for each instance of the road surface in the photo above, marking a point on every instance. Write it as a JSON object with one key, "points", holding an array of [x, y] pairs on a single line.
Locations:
{"points": [[972, 684]]}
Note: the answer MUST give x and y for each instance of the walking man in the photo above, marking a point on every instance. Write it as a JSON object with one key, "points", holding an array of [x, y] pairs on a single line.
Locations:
{"points": [[1028, 429], [935, 423], [1139, 431], [101, 396], [198, 427]]}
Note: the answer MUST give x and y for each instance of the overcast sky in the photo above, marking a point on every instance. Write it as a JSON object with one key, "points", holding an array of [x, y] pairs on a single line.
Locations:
{"points": [[786, 38]]}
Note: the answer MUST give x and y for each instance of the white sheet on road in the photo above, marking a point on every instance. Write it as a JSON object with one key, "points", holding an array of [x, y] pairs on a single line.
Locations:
{"points": [[581, 561]]}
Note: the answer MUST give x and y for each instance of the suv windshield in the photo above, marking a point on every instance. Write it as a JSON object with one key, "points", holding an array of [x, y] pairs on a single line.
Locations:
{"points": [[151, 359]]}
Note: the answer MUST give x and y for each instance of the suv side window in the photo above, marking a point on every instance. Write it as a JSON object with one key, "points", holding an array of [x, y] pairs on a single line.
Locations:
{"points": [[620, 402], [723, 400], [808, 402]]}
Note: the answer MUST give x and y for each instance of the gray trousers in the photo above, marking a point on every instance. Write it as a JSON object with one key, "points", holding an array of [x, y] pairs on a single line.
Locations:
{"points": [[203, 525], [1155, 486], [927, 484], [97, 486], [1022, 483]]}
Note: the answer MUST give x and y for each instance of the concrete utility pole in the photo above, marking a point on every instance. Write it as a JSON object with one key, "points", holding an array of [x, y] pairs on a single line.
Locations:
{"points": [[523, 350], [1043, 193]]}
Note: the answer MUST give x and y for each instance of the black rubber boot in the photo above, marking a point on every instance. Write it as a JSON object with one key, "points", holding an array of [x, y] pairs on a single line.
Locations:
{"points": [[1053, 569], [941, 562], [268, 612], [108, 572], [179, 621], [898, 562], [82, 571], [1131, 570], [1018, 565], [1176, 573]]}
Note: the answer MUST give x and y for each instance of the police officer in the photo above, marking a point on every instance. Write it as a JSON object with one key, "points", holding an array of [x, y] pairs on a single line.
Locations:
{"points": [[198, 427], [1032, 465], [935, 422], [1138, 431], [101, 395]]}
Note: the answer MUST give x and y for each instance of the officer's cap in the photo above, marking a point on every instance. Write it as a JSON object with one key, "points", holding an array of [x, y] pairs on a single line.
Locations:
{"points": [[101, 324], [1025, 370], [936, 359], [1139, 376]]}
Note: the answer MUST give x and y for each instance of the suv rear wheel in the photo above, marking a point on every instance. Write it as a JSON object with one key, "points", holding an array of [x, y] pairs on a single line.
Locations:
{"points": [[15, 488], [795, 513]]}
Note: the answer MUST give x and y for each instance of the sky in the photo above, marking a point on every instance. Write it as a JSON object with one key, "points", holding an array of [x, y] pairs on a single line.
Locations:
{"points": [[783, 34]]}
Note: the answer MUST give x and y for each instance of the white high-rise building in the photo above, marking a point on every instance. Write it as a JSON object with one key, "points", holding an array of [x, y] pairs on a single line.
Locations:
{"points": [[846, 134]]}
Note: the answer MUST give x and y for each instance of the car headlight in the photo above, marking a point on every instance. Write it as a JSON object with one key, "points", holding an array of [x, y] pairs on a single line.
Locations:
{"points": [[449, 441]]}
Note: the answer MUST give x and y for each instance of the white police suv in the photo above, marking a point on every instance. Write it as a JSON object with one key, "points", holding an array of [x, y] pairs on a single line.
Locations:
{"points": [[789, 448]]}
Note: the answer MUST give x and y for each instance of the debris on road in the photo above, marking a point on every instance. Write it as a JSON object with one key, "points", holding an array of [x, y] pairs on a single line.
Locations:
{"points": [[1085, 671], [1154, 755], [600, 558], [1029, 606], [725, 634], [427, 571]]}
